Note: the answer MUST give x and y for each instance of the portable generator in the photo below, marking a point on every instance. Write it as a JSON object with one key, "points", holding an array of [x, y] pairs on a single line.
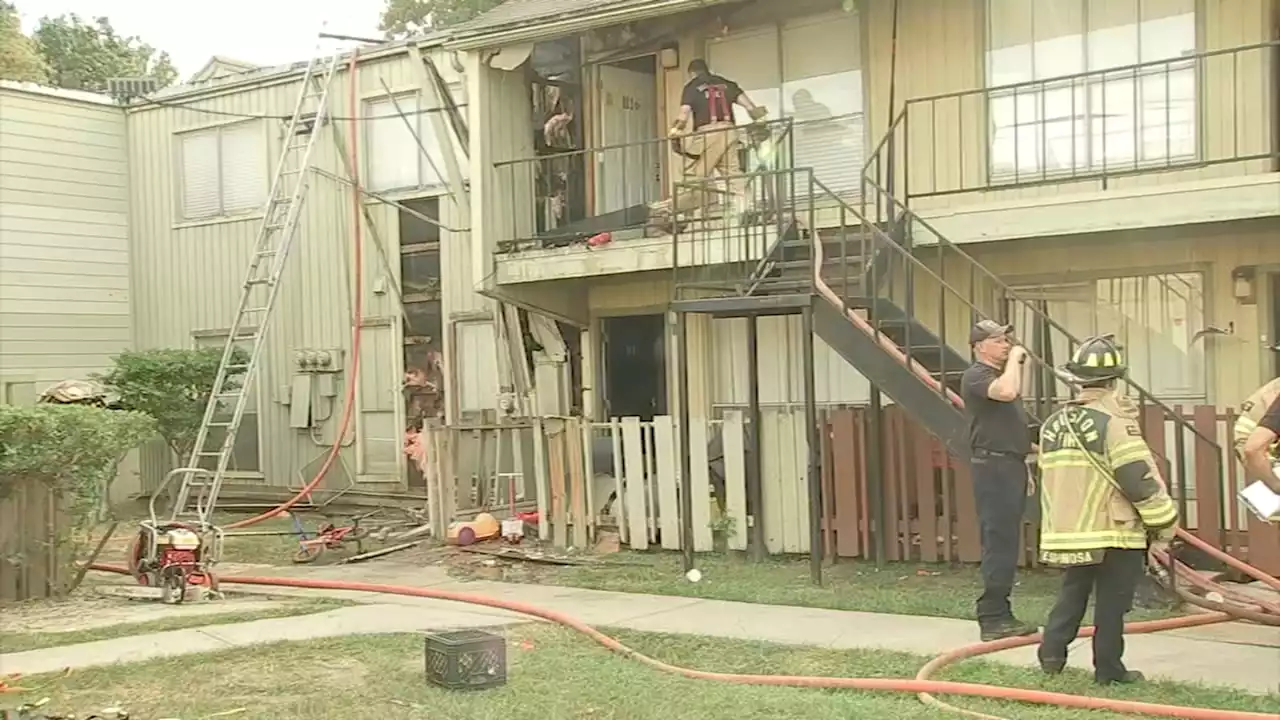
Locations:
{"points": [[174, 556]]}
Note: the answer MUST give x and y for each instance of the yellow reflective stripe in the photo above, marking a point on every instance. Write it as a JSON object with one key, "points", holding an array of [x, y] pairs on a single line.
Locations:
{"points": [[1091, 508], [1129, 451], [1093, 540], [1157, 511]]}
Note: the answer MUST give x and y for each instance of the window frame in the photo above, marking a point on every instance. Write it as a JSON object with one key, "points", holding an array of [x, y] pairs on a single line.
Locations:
{"points": [[779, 105], [219, 129], [1092, 86], [217, 337], [423, 127]]}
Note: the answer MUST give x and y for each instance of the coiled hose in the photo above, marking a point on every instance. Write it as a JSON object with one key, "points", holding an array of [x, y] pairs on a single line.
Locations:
{"points": [[920, 685]]}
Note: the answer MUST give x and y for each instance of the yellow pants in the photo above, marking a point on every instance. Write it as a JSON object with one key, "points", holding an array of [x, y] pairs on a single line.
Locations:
{"points": [[716, 147]]}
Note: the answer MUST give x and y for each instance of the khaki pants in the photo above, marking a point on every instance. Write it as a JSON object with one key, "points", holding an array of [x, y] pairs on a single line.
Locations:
{"points": [[716, 146]]}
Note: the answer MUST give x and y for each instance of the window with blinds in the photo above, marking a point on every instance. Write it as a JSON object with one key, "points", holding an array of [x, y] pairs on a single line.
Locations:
{"points": [[393, 158], [809, 70], [223, 170], [1101, 120]]}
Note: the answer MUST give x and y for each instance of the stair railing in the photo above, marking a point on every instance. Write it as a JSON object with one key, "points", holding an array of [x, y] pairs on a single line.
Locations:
{"points": [[880, 183]]}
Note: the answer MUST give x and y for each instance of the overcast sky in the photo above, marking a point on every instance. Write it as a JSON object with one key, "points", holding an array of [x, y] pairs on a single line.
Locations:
{"points": [[263, 32]]}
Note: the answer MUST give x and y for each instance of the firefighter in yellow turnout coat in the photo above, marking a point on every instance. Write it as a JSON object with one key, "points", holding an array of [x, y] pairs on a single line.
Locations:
{"points": [[1256, 436], [1103, 502]]}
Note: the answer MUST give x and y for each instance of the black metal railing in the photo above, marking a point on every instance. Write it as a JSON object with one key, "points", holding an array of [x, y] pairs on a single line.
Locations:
{"points": [[926, 284], [563, 197], [1199, 110]]}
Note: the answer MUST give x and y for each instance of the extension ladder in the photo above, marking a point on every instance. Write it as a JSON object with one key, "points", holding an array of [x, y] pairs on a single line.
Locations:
{"points": [[215, 443]]}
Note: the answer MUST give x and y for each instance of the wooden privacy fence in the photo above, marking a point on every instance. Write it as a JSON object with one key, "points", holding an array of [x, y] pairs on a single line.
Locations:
{"points": [[928, 496], [625, 474], [35, 560]]}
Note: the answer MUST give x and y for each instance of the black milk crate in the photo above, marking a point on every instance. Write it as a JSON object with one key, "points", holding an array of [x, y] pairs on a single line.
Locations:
{"points": [[466, 659]]}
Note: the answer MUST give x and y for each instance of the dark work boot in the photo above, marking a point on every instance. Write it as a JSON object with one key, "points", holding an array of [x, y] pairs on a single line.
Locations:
{"points": [[1052, 666], [1128, 678], [1007, 628]]}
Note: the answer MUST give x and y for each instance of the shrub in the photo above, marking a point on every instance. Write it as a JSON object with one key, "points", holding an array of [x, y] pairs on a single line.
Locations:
{"points": [[74, 452], [170, 385]]}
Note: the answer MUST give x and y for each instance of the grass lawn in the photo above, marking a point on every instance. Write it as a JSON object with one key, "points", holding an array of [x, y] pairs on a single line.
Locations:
{"points": [[902, 588], [15, 642], [553, 673]]}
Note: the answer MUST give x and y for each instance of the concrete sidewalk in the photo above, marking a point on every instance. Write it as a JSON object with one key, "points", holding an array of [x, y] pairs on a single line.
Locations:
{"points": [[1182, 656]]}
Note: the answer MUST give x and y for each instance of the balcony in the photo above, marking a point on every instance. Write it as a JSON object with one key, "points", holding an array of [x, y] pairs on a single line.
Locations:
{"points": [[1188, 139], [606, 210]]}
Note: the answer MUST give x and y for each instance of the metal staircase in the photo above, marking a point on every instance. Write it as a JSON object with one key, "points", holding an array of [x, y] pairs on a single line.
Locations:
{"points": [[214, 445], [893, 297]]}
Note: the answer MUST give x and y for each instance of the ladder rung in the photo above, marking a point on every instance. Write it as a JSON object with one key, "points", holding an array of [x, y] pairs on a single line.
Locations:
{"points": [[266, 253], [300, 146], [229, 393], [264, 308], [259, 281]]}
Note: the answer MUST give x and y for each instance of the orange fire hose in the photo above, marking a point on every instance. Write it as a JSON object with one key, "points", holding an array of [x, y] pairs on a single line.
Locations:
{"points": [[349, 401], [919, 685]]}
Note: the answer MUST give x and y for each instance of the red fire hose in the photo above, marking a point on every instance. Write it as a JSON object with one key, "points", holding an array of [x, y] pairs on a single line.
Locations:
{"points": [[919, 685]]}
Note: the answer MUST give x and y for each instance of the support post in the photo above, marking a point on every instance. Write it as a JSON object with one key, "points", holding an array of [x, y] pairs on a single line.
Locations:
{"points": [[813, 441], [686, 470], [875, 475], [755, 488]]}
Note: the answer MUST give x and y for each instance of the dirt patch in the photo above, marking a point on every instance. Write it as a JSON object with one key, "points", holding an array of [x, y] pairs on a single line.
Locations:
{"points": [[91, 610]]}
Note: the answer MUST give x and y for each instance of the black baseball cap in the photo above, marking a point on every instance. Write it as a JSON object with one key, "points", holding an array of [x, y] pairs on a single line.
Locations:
{"points": [[987, 329]]}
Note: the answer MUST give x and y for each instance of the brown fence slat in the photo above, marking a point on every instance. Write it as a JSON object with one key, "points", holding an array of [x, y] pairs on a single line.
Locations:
{"points": [[864, 490], [927, 503], [891, 482], [1154, 432], [847, 468], [967, 537], [1234, 484], [1208, 485], [946, 523], [827, 474]]}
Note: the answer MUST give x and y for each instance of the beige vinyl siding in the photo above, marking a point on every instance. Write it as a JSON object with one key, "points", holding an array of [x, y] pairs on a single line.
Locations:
{"points": [[188, 273], [942, 48], [64, 250], [1233, 364]]}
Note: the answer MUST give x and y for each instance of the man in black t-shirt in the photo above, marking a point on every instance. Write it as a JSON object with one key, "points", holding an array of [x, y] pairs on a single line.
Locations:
{"points": [[1000, 441], [706, 108]]}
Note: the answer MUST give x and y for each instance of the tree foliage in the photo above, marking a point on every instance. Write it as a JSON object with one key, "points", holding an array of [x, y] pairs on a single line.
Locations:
{"points": [[402, 18], [170, 385], [83, 54], [70, 52], [20, 60]]}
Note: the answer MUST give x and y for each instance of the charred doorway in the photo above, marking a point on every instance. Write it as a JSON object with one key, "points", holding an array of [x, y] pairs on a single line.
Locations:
{"points": [[423, 320], [635, 368]]}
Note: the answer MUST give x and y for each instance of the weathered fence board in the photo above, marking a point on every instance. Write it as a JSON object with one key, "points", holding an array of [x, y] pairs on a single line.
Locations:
{"points": [[927, 497], [700, 487], [664, 432], [735, 479], [35, 527], [636, 513]]}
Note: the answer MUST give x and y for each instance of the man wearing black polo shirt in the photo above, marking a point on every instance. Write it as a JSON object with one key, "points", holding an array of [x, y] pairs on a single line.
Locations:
{"points": [[707, 103], [1000, 441]]}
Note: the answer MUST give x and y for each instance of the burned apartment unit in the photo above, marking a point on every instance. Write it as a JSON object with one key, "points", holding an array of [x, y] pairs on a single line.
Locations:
{"points": [[536, 246]]}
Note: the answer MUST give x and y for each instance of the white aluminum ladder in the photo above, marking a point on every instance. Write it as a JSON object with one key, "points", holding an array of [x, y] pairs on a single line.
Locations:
{"points": [[205, 470]]}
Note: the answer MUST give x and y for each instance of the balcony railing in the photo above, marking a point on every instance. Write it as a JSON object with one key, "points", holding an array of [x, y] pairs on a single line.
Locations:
{"points": [[563, 197], [1209, 108]]}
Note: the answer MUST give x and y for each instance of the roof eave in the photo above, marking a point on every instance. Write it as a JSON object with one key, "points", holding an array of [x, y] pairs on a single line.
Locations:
{"points": [[517, 33], [289, 73]]}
